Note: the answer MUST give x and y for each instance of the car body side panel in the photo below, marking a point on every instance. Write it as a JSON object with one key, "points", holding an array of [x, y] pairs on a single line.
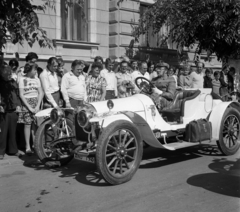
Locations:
{"points": [[196, 108], [217, 114], [131, 103]]}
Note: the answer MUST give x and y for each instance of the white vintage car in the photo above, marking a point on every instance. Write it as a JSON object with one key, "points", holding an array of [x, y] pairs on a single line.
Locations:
{"points": [[112, 133]]}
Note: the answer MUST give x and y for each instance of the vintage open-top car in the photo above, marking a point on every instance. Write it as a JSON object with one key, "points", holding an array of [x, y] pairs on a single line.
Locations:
{"points": [[112, 133]]}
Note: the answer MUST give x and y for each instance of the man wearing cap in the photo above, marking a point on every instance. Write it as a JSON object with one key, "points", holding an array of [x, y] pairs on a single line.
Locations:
{"points": [[165, 89]]}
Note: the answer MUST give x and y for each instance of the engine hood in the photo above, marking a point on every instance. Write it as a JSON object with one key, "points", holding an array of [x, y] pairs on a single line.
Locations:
{"points": [[132, 103]]}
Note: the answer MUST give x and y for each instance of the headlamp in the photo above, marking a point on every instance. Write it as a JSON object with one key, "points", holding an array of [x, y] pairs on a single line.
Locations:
{"points": [[56, 115], [85, 114]]}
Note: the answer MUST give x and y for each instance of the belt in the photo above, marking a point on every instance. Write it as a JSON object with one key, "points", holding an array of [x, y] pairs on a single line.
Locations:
{"points": [[55, 92]]}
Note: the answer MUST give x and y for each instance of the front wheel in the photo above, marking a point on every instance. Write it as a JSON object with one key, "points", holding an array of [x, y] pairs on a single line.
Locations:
{"points": [[53, 146], [119, 152], [229, 135]]}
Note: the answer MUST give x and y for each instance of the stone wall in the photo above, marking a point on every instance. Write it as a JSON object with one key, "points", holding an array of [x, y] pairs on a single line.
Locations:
{"points": [[98, 32], [121, 19]]}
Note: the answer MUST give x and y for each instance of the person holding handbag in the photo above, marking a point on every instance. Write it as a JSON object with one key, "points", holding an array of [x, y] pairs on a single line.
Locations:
{"points": [[31, 95]]}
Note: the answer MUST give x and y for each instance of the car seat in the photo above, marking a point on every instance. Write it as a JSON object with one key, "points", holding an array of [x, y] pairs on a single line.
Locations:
{"points": [[174, 112]]}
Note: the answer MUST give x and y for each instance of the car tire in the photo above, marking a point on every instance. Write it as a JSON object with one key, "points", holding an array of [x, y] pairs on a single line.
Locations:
{"points": [[229, 134], [40, 141], [124, 152]]}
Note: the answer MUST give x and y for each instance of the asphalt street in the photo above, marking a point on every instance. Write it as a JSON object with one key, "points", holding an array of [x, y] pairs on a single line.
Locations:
{"points": [[189, 180]]}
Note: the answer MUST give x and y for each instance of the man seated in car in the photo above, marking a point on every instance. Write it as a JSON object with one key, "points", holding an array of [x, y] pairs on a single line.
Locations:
{"points": [[165, 89]]}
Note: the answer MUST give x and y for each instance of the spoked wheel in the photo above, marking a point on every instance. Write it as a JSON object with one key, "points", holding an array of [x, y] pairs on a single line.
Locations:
{"points": [[53, 145], [119, 152], [229, 138]]}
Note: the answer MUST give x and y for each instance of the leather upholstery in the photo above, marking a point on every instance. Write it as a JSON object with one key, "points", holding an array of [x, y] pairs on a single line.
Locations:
{"points": [[179, 97]]}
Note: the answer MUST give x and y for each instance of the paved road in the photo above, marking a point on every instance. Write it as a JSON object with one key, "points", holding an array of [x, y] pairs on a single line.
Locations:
{"points": [[190, 180]]}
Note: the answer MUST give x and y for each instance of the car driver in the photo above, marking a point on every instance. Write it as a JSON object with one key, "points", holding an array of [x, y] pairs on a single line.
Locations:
{"points": [[165, 89]]}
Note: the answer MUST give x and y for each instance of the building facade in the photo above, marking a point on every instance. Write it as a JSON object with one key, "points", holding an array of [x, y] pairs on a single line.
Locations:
{"points": [[102, 27]]}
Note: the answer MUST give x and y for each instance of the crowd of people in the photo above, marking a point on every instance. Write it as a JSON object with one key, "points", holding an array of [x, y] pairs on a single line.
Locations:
{"points": [[25, 91]]}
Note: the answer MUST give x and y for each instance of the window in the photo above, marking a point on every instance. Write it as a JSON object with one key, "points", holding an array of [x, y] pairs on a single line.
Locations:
{"points": [[74, 21], [149, 39]]}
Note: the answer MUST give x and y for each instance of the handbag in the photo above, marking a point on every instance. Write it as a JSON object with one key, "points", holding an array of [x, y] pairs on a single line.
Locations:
{"points": [[198, 130]]}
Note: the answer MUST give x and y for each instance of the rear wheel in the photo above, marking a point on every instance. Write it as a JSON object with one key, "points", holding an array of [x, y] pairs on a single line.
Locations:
{"points": [[119, 152], [53, 146], [229, 135]]}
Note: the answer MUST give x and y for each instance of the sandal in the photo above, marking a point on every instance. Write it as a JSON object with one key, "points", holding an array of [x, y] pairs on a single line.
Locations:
{"points": [[29, 152]]}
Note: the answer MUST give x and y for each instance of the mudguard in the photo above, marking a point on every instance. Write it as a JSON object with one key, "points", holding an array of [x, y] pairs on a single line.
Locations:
{"points": [[144, 129], [217, 114]]}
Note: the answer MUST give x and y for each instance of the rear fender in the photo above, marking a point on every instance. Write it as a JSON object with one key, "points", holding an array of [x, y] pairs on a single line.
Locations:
{"points": [[217, 114]]}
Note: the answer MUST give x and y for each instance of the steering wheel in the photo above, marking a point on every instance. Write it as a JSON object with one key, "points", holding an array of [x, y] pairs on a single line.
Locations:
{"points": [[144, 85]]}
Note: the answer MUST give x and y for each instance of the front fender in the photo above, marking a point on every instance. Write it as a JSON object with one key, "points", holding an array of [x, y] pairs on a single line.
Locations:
{"points": [[217, 114], [144, 129]]}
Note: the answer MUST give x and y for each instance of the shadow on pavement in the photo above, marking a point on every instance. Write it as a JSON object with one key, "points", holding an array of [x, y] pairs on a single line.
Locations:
{"points": [[225, 181], [83, 172], [87, 173], [155, 158], [208, 149]]}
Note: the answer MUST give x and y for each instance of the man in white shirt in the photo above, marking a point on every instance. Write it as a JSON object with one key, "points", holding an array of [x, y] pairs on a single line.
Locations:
{"points": [[110, 77], [198, 76], [49, 81], [73, 85], [142, 72], [125, 83]]}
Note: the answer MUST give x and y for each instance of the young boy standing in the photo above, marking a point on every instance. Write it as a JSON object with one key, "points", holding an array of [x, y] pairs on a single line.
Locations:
{"points": [[216, 83]]}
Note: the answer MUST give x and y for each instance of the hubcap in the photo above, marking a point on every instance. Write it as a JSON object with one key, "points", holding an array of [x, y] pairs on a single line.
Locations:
{"points": [[231, 131], [121, 152]]}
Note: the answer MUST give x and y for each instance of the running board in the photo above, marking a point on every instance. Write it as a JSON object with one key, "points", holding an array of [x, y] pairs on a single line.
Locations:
{"points": [[179, 145]]}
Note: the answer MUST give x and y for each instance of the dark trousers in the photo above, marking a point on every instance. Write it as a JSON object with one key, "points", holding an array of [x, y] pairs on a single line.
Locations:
{"points": [[110, 94], [56, 96], [8, 125], [74, 103]]}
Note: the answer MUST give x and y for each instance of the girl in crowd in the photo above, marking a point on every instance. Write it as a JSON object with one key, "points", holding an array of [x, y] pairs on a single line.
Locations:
{"points": [[185, 80], [95, 84], [31, 95], [216, 84]]}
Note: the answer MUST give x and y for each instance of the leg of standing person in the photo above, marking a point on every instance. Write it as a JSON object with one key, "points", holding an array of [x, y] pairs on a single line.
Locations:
{"points": [[27, 133], [12, 127], [3, 134]]}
